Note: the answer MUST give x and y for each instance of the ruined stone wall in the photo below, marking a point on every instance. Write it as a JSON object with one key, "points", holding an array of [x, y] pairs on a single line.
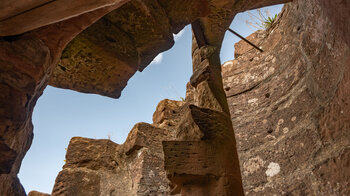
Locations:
{"points": [[101, 167], [290, 105]]}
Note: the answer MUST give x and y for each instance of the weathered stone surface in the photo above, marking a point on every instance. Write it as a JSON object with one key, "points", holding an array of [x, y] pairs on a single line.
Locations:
{"points": [[77, 182], [204, 132], [198, 162], [101, 167], [337, 12], [334, 174], [166, 114], [243, 47], [274, 113], [191, 155], [95, 155], [106, 55], [226, 182], [20, 89], [290, 104], [17, 17], [36, 193], [12, 7], [26, 62], [103, 58], [284, 99]]}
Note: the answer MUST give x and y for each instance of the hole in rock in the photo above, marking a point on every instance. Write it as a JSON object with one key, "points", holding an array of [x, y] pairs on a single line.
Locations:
{"points": [[62, 114], [11, 38], [245, 24], [299, 27]]}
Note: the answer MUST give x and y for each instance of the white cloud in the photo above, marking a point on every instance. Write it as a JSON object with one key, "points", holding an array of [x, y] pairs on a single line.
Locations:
{"points": [[179, 35], [158, 59]]}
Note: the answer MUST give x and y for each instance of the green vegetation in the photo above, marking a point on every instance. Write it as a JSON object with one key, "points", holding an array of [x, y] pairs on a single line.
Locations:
{"points": [[261, 20], [267, 23]]}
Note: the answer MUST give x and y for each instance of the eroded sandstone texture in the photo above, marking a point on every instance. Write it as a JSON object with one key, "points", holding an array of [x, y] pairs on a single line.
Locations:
{"points": [[199, 155], [26, 62], [36, 193], [290, 105], [101, 167], [102, 59], [20, 16], [292, 127]]}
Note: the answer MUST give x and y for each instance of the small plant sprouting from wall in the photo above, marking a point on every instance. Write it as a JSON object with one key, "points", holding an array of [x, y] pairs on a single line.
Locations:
{"points": [[109, 136], [261, 20], [66, 153], [269, 21]]}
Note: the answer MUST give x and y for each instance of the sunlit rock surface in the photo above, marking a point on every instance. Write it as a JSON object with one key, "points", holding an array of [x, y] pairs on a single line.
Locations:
{"points": [[291, 126], [105, 56], [290, 105], [101, 167], [36, 193]]}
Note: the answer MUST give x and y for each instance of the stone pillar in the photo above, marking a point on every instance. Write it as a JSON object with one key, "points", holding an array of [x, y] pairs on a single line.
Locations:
{"points": [[204, 160]]}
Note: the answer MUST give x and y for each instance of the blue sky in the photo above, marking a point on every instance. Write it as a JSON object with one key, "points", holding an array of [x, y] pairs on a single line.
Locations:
{"points": [[62, 114]]}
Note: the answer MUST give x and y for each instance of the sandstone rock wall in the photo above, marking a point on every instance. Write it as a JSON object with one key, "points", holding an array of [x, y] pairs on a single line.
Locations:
{"points": [[20, 16], [290, 105], [106, 55], [26, 63], [101, 167], [36, 193], [202, 159], [27, 60], [290, 111]]}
